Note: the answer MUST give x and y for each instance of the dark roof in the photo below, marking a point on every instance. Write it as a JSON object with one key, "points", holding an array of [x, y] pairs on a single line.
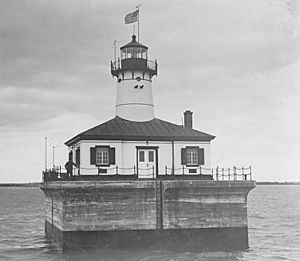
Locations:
{"points": [[153, 130], [134, 43]]}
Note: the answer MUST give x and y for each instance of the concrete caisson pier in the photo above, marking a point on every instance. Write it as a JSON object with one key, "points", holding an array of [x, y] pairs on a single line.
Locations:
{"points": [[180, 214]]}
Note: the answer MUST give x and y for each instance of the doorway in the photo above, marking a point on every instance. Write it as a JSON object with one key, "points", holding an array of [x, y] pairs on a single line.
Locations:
{"points": [[146, 162]]}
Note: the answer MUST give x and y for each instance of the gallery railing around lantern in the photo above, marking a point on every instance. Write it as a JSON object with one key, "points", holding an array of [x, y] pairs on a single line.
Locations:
{"points": [[133, 64]]}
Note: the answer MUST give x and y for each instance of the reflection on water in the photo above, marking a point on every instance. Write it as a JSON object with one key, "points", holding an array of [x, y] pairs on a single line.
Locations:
{"points": [[274, 230]]}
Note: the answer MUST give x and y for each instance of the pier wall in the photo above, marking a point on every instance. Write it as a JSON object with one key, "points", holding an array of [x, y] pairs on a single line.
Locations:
{"points": [[153, 208]]}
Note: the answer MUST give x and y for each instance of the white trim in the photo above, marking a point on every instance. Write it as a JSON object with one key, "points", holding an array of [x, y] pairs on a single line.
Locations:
{"points": [[141, 141]]}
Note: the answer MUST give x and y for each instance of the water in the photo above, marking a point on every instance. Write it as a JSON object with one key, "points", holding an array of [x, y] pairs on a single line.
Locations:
{"points": [[273, 215]]}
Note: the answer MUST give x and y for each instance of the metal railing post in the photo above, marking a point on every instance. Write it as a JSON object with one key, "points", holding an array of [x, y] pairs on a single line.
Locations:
{"points": [[153, 172], [200, 170], [217, 173], [182, 170], [234, 173], [243, 173], [166, 170], [117, 170], [250, 173], [222, 173], [133, 170], [228, 173]]}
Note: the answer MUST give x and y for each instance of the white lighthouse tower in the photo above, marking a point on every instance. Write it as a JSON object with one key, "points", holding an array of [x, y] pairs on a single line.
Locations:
{"points": [[134, 74]]}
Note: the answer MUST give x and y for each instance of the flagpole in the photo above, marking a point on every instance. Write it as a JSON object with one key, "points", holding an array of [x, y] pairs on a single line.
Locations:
{"points": [[138, 8], [115, 51]]}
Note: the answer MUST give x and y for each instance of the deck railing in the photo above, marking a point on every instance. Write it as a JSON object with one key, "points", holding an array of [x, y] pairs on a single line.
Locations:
{"points": [[217, 174], [59, 174]]}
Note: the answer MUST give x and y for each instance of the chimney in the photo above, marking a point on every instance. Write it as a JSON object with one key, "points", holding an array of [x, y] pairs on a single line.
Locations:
{"points": [[188, 119]]}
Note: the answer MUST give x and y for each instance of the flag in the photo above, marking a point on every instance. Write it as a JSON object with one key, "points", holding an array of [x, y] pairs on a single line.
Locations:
{"points": [[132, 17]]}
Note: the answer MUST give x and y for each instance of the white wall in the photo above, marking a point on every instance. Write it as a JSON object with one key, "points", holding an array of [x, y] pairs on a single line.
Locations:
{"points": [[135, 104], [126, 155]]}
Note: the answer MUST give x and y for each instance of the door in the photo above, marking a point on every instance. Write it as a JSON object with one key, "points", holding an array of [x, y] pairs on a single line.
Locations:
{"points": [[146, 163]]}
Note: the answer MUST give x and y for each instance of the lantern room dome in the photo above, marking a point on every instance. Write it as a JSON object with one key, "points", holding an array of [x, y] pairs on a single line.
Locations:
{"points": [[134, 43]]}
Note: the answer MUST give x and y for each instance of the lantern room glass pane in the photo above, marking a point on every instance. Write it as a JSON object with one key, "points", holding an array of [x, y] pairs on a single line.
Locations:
{"points": [[123, 54], [144, 54], [134, 52], [129, 52]]}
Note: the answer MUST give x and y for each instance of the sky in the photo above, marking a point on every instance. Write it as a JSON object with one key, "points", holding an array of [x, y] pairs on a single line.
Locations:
{"points": [[234, 63]]}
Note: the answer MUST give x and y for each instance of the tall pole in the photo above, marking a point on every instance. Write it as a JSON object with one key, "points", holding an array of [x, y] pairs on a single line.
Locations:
{"points": [[138, 8], [45, 153], [53, 149], [115, 50]]}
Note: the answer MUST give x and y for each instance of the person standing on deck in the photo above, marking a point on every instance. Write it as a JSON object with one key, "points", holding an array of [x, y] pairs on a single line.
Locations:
{"points": [[69, 167]]}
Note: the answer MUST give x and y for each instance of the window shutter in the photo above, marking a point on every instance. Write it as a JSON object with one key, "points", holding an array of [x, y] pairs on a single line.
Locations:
{"points": [[112, 156], [183, 156], [77, 156], [201, 156], [93, 156]]}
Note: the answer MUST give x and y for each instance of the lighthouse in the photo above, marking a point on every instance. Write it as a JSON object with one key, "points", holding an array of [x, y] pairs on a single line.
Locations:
{"points": [[134, 73], [143, 181]]}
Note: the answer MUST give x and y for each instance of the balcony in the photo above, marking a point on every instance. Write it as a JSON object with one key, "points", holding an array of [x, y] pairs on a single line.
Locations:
{"points": [[133, 64]]}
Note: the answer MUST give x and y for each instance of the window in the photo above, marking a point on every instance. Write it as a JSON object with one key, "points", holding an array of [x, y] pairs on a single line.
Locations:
{"points": [[142, 156], [192, 156], [102, 156], [151, 156]]}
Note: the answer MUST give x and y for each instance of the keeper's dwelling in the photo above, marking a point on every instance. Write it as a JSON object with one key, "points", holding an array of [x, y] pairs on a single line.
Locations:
{"points": [[135, 142]]}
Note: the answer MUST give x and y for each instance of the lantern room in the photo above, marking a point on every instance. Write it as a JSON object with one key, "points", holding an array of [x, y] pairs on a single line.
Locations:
{"points": [[134, 50], [134, 57]]}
